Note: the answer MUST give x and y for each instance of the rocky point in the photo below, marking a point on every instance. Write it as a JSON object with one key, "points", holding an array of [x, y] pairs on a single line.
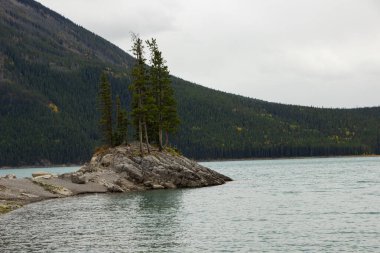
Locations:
{"points": [[119, 169]]}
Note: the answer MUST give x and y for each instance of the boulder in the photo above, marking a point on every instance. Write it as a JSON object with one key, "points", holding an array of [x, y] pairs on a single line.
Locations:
{"points": [[169, 185], [135, 174], [106, 160], [78, 178], [41, 173], [148, 184], [10, 176], [157, 186], [63, 191], [112, 187], [44, 176]]}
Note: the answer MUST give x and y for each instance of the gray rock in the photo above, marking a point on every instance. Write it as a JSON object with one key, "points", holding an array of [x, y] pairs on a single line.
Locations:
{"points": [[124, 168], [114, 188], [107, 160], [40, 173], [157, 186], [135, 174], [169, 185], [137, 159], [10, 176], [28, 195], [148, 183], [78, 178], [44, 177]]}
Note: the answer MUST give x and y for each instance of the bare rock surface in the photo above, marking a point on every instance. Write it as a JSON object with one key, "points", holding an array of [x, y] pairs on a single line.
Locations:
{"points": [[158, 170], [41, 174], [119, 169], [9, 176]]}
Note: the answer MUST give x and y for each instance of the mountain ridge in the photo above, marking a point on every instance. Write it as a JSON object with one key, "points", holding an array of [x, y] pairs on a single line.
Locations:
{"points": [[49, 75]]}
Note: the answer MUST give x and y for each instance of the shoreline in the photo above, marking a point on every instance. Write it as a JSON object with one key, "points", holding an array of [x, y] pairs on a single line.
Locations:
{"points": [[283, 158], [35, 190], [41, 166], [200, 161], [114, 170]]}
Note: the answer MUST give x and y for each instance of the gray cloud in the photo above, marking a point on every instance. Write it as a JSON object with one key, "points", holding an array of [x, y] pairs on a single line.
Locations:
{"points": [[114, 19], [322, 53]]}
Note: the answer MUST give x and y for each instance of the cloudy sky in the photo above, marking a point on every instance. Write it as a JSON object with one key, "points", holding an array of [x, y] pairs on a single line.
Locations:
{"points": [[322, 53]]}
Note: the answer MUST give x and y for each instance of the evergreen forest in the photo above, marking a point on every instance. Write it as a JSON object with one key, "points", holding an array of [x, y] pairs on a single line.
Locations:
{"points": [[50, 72]]}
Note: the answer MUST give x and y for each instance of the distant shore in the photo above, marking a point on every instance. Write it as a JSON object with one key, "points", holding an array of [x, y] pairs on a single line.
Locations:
{"points": [[206, 160], [40, 166], [282, 158]]}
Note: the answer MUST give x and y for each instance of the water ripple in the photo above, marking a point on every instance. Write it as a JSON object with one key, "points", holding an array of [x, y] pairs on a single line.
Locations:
{"points": [[312, 205]]}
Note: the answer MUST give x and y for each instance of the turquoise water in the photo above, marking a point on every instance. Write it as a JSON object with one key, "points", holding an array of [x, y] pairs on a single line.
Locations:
{"points": [[27, 172], [300, 205]]}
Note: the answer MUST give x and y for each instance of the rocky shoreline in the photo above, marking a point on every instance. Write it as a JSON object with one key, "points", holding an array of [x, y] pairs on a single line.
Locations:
{"points": [[119, 169]]}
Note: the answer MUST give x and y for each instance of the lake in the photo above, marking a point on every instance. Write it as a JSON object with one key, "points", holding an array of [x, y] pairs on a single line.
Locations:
{"points": [[27, 172], [294, 205]]}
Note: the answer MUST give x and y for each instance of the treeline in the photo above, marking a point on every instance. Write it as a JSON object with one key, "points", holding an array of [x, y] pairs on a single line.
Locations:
{"points": [[214, 152], [49, 84], [230, 126]]}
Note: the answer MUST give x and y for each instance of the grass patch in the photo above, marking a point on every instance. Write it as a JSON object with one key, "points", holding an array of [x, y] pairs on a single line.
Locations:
{"points": [[8, 206], [51, 188], [173, 151], [101, 149], [5, 209]]}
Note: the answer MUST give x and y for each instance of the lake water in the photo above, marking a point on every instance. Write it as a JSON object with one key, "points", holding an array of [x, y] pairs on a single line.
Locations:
{"points": [[299, 205], [27, 172]]}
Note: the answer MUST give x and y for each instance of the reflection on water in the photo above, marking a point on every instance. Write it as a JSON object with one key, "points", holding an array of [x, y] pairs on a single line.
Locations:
{"points": [[312, 205], [146, 220], [153, 215]]}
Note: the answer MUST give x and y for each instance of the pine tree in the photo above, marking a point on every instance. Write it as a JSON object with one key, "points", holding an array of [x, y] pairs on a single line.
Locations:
{"points": [[105, 106], [120, 136], [166, 117], [142, 100], [170, 119]]}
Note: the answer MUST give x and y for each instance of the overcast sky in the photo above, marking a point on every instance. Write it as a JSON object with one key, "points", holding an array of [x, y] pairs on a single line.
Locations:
{"points": [[321, 53]]}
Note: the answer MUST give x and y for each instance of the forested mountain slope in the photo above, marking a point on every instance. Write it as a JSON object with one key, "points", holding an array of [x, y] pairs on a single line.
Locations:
{"points": [[49, 75]]}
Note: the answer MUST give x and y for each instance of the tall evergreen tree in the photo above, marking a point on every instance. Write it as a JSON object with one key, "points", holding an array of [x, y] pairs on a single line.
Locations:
{"points": [[170, 119], [166, 117], [121, 124], [142, 101], [105, 106]]}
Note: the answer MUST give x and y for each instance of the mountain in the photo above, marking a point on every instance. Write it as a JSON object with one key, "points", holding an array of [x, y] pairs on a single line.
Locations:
{"points": [[49, 75]]}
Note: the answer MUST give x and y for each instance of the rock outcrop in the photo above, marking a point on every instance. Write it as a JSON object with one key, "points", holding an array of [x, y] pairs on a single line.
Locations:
{"points": [[119, 169]]}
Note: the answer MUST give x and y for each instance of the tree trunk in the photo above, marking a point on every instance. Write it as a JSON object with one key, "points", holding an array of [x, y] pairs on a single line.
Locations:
{"points": [[160, 138], [160, 116], [167, 139], [146, 137], [140, 123], [140, 136]]}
